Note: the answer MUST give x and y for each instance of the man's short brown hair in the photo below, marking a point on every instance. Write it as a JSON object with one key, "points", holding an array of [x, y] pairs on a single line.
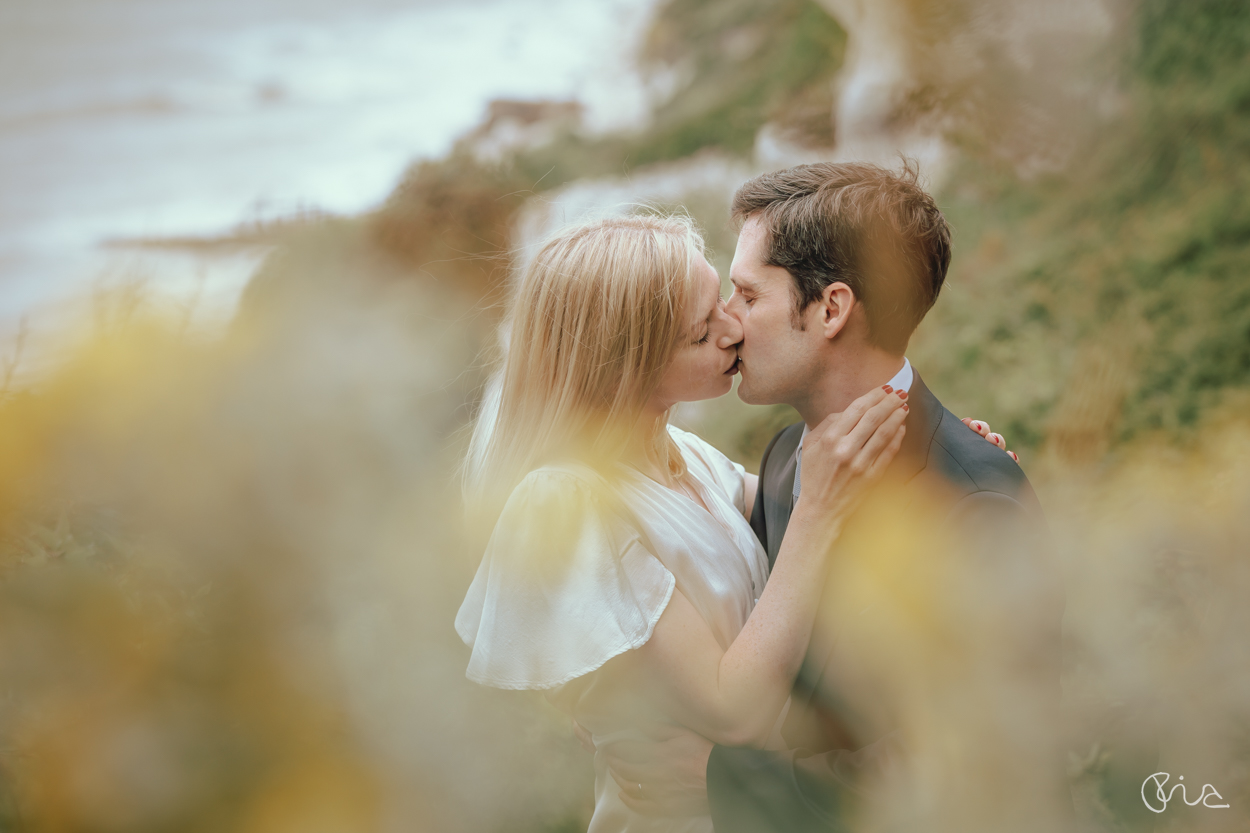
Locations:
{"points": [[874, 230]]}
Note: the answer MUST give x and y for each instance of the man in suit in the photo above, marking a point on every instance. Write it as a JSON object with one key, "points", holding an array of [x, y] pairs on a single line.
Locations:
{"points": [[930, 690]]}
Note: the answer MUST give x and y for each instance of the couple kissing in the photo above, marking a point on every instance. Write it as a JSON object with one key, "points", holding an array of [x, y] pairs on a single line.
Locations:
{"points": [[875, 612]]}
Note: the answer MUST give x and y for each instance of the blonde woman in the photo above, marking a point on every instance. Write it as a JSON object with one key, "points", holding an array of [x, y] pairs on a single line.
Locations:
{"points": [[622, 577]]}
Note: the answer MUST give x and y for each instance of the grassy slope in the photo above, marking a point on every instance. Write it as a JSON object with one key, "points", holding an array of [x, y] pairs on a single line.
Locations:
{"points": [[1113, 299]]}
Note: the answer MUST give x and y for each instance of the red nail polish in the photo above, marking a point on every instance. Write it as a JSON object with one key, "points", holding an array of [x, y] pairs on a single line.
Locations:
{"points": [[905, 406], [902, 394], [886, 388]]}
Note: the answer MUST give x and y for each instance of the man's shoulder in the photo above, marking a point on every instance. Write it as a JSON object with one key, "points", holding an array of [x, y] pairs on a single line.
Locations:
{"points": [[962, 457]]}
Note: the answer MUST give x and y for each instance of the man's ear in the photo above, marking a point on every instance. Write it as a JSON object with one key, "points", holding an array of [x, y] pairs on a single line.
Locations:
{"points": [[834, 306]]}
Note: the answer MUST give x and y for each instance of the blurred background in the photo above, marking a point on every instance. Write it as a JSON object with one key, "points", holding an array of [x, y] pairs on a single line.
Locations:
{"points": [[252, 256]]}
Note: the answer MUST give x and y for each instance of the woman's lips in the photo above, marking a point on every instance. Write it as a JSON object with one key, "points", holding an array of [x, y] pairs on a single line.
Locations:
{"points": [[733, 368]]}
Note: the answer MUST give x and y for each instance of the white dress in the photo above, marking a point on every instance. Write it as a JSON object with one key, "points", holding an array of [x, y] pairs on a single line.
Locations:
{"points": [[577, 572]]}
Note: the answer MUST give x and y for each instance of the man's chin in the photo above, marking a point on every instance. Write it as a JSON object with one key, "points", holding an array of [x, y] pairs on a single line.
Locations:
{"points": [[752, 394], [748, 395]]}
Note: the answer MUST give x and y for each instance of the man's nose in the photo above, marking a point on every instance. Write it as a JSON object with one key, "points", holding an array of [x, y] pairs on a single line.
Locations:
{"points": [[731, 332]]}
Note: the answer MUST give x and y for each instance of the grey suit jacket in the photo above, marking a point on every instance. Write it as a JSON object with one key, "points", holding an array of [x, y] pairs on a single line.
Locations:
{"points": [[981, 494]]}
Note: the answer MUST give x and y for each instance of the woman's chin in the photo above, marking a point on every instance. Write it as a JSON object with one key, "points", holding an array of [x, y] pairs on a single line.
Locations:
{"points": [[713, 389], [723, 386]]}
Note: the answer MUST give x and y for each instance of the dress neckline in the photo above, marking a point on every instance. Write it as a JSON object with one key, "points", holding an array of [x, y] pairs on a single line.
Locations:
{"points": [[702, 505], [696, 487]]}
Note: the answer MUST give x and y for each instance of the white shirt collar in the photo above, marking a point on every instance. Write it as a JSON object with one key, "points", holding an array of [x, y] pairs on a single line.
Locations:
{"points": [[902, 380]]}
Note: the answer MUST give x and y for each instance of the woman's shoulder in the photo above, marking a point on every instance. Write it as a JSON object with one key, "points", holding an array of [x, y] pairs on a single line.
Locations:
{"points": [[691, 443], [559, 494], [564, 585], [561, 479]]}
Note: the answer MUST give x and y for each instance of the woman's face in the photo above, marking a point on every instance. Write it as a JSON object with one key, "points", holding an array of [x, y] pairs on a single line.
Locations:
{"points": [[707, 359]]}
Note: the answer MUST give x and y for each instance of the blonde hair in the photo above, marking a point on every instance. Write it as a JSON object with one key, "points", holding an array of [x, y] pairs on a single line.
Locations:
{"points": [[594, 319]]}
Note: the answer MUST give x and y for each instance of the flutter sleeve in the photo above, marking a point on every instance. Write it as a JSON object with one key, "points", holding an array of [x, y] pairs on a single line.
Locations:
{"points": [[728, 476], [565, 585]]}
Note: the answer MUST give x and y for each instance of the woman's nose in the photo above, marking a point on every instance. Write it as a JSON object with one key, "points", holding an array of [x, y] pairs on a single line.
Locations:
{"points": [[730, 330]]}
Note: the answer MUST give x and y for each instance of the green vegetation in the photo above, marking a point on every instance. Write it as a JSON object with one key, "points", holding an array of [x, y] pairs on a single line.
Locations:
{"points": [[1113, 298], [748, 63]]}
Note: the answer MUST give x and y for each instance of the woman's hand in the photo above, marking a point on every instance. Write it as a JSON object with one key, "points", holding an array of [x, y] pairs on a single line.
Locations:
{"points": [[849, 450], [983, 428], [664, 775]]}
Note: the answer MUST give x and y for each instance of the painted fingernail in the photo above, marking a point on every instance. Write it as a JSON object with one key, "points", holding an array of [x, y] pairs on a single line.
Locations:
{"points": [[886, 388], [1014, 456], [905, 408], [902, 394], [996, 438], [976, 425]]}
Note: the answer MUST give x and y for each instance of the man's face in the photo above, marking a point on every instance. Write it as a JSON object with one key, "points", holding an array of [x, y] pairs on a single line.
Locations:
{"points": [[777, 361]]}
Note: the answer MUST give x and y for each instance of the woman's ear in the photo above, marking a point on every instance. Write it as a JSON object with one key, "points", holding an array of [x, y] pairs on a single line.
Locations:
{"points": [[836, 302]]}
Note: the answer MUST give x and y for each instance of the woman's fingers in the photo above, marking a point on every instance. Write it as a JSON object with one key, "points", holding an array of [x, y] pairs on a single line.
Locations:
{"points": [[585, 738], [634, 797], [888, 453], [642, 808], [836, 458], [874, 418], [630, 788], [983, 428], [842, 443], [841, 424], [879, 440], [622, 769]]}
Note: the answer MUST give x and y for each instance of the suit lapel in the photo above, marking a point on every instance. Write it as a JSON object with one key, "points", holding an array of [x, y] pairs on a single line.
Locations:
{"points": [[778, 487]]}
